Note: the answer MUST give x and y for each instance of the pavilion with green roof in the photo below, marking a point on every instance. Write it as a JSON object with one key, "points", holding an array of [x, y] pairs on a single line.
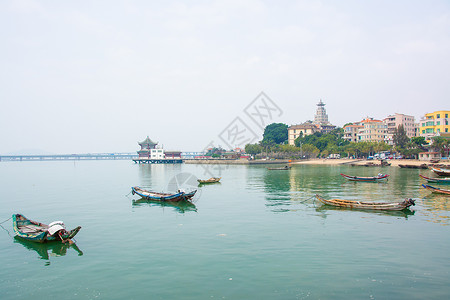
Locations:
{"points": [[146, 147]]}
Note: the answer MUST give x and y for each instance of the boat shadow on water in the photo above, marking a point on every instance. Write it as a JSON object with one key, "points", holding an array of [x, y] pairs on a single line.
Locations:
{"points": [[405, 213], [179, 206], [47, 250]]}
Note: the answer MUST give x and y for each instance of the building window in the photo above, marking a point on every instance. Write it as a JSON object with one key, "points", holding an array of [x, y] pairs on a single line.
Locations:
{"points": [[438, 123], [438, 116], [446, 115]]}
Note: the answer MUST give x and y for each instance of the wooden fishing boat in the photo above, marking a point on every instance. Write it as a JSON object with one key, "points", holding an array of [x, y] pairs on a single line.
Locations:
{"points": [[436, 189], [368, 205], [211, 180], [436, 180], [441, 171], [39, 232], [190, 195], [422, 166], [281, 168], [150, 195], [367, 179]]}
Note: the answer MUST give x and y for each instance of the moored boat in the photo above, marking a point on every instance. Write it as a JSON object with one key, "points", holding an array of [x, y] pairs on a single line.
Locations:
{"points": [[441, 171], [422, 166], [367, 205], [41, 233], [436, 180], [367, 179], [190, 195], [281, 168], [150, 195], [436, 189], [210, 180]]}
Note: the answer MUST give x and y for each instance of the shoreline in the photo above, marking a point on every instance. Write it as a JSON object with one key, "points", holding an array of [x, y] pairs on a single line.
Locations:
{"points": [[317, 161], [362, 162]]}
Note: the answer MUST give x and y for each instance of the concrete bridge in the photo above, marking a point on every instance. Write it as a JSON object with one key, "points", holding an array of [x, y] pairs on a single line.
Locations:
{"points": [[87, 156]]}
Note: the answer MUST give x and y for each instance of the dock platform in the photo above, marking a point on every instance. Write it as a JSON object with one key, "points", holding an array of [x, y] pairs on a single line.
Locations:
{"points": [[157, 161]]}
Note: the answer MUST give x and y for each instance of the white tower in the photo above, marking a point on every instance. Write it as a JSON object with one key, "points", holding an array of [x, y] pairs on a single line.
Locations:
{"points": [[321, 116]]}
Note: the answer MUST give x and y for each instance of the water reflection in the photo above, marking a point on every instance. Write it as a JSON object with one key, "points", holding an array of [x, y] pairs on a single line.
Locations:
{"points": [[322, 209], [47, 250], [180, 206], [437, 208]]}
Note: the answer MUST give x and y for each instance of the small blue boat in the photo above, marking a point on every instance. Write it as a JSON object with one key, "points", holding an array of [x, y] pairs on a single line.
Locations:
{"points": [[155, 196], [38, 232]]}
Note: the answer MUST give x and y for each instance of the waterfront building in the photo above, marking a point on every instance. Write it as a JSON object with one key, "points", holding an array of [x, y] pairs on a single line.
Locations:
{"points": [[351, 132], [149, 150], [435, 123], [372, 131], [394, 121], [295, 131], [172, 154]]}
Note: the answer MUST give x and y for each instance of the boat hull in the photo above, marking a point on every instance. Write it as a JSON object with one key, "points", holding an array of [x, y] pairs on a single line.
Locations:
{"points": [[211, 180], [441, 172], [365, 179], [436, 180], [149, 195], [367, 205], [436, 190]]}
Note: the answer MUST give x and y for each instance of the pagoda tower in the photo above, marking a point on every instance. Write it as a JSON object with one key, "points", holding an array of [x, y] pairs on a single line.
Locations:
{"points": [[146, 147], [321, 116]]}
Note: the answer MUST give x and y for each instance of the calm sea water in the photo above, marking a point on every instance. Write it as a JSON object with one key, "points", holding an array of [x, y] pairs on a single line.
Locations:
{"points": [[256, 235]]}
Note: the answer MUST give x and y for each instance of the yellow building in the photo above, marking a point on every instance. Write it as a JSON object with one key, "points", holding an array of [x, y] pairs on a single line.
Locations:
{"points": [[372, 131], [434, 124], [295, 131]]}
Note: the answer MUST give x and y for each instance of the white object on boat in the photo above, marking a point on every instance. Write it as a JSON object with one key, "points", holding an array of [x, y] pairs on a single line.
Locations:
{"points": [[55, 226]]}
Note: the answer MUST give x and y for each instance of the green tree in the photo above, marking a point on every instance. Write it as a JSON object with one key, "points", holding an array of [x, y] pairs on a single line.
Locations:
{"points": [[253, 149], [441, 144], [309, 150], [400, 138], [276, 132]]}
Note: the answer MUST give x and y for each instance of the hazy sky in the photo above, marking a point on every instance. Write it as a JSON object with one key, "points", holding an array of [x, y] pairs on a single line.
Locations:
{"points": [[99, 76]]}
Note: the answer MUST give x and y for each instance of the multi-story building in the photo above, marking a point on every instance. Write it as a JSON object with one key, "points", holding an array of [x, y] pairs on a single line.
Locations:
{"points": [[372, 131], [394, 121], [295, 131], [435, 123], [351, 132]]}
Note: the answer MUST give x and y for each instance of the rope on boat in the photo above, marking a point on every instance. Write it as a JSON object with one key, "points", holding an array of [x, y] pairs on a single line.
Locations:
{"points": [[4, 227], [6, 220], [312, 197]]}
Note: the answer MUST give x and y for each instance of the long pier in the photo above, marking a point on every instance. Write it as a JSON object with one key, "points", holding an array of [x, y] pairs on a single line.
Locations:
{"points": [[62, 157]]}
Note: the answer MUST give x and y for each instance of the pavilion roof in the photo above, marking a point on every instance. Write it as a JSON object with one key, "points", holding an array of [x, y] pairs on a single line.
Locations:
{"points": [[147, 141]]}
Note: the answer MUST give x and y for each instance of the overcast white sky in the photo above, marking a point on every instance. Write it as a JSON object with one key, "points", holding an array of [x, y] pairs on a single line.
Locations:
{"points": [[99, 76]]}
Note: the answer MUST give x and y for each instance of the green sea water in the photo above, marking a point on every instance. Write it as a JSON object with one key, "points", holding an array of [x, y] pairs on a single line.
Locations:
{"points": [[256, 235]]}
